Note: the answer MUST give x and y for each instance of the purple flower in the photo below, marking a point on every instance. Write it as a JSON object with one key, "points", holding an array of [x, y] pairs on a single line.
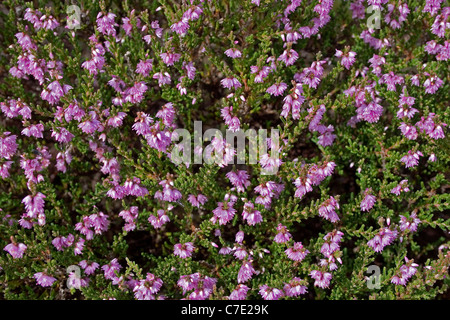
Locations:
{"points": [[43, 279], [384, 237], [347, 59], [144, 67], [240, 293], [169, 58], [106, 24], [410, 223], [401, 187], [277, 89], [411, 159], [432, 84], [245, 272], [368, 201], [16, 250], [405, 272], [327, 210], [89, 268], [230, 83], [233, 53], [297, 252], [295, 287], [183, 250], [239, 179], [110, 269], [283, 234], [146, 289], [269, 293], [288, 57], [322, 279], [250, 214], [223, 213]]}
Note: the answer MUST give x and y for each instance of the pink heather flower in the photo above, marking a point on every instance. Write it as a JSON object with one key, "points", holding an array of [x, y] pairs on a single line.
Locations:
{"points": [[34, 130], [8, 145], [169, 192], [88, 268], [25, 41], [239, 237], [303, 186], [135, 94], [410, 223], [230, 83], [43, 279], [432, 6], [16, 250], [432, 84], [34, 205], [293, 102], [406, 271], [251, 215], [240, 293], [160, 220], [224, 212], [110, 269], [190, 69], [260, 73], [54, 91], [183, 250], [233, 53], [188, 282], [295, 287], [327, 210], [322, 279], [277, 89], [288, 57], [390, 79], [370, 112], [327, 137], [231, 121], [63, 242], [4, 169], [402, 13], [62, 135], [163, 78], [384, 238], [409, 131], [368, 201], [411, 159], [240, 253], [432, 158], [401, 187], [283, 234], [444, 52], [192, 13], [146, 288], [375, 63], [246, 272], [169, 58], [297, 252], [197, 201], [144, 67], [106, 24], [180, 27], [268, 293], [239, 179], [99, 221], [347, 59]]}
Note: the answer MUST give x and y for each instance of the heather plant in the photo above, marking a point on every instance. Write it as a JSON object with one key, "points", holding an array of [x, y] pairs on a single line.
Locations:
{"points": [[342, 188]]}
